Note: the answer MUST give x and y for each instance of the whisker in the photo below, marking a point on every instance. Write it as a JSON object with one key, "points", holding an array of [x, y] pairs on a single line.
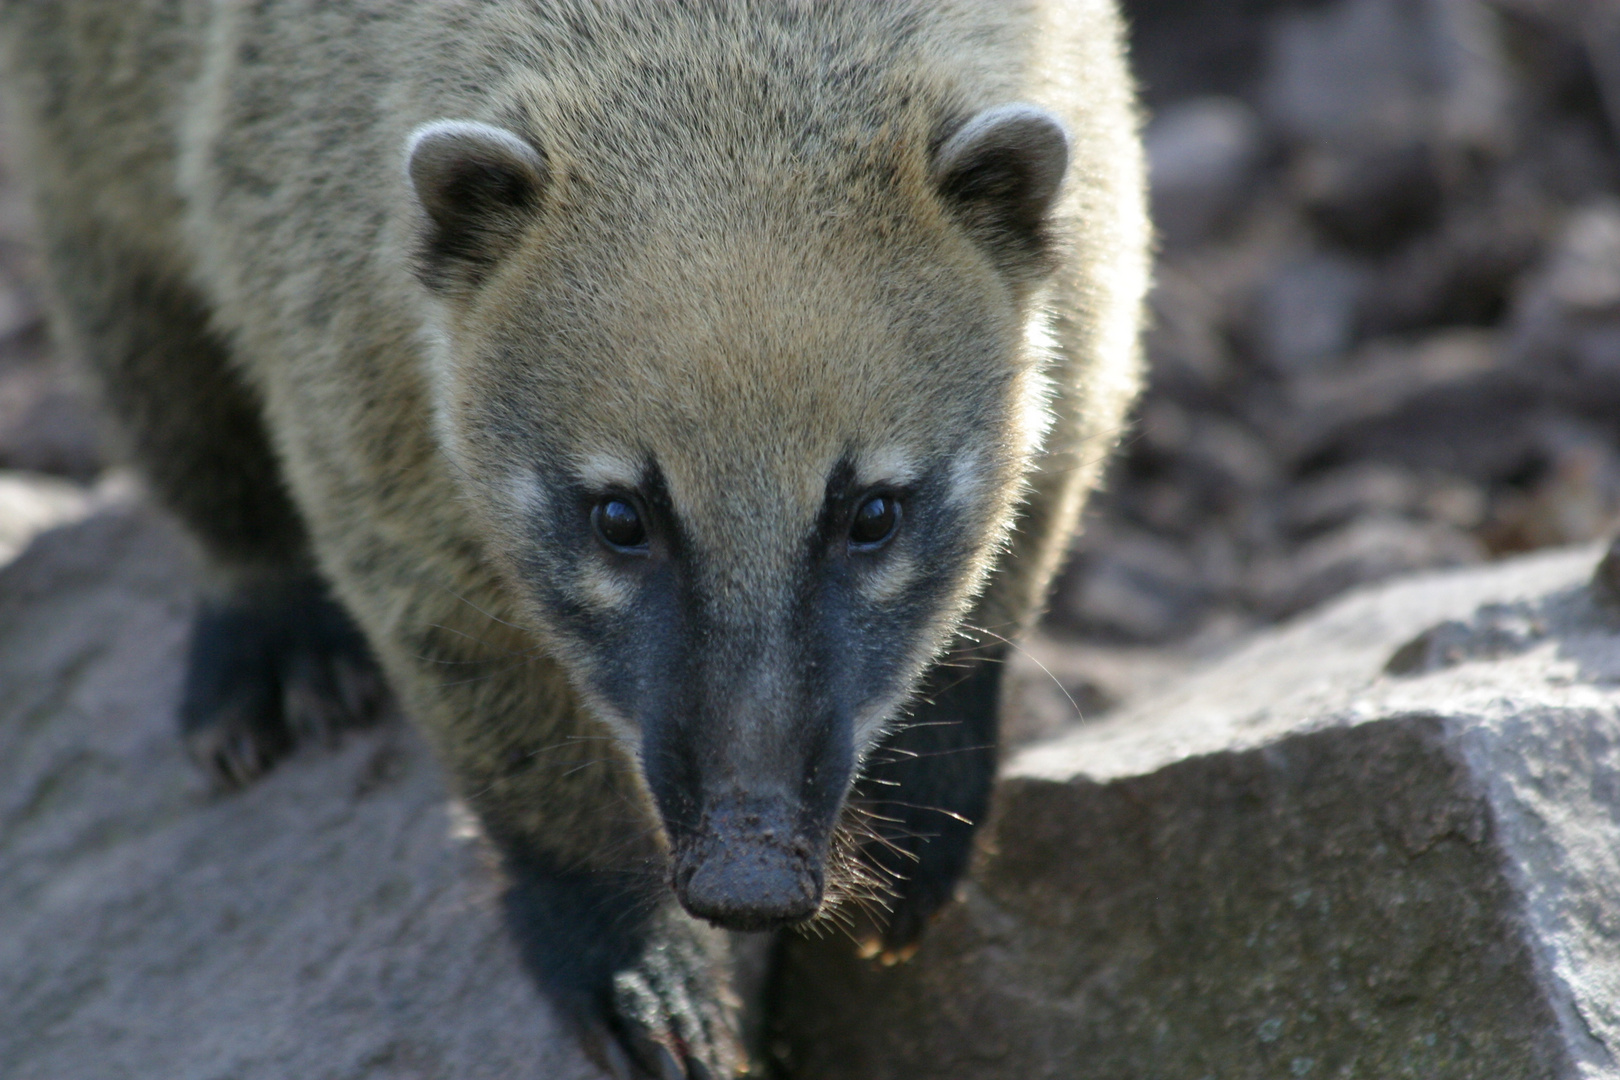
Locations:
{"points": [[485, 614], [952, 814], [1036, 661]]}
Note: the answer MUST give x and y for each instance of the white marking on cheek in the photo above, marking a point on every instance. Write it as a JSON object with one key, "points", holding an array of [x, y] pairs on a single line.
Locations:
{"points": [[887, 464], [603, 590], [894, 575], [601, 470], [873, 722]]}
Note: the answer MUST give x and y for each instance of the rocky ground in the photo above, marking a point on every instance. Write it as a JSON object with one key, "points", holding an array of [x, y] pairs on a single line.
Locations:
{"points": [[1381, 842], [1378, 843]]}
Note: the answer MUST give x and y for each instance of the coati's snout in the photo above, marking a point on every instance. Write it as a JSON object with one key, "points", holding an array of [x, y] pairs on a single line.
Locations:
{"points": [[749, 806], [749, 866]]}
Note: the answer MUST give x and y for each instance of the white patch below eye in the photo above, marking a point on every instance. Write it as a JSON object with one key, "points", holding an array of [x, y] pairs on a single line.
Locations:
{"points": [[889, 578], [604, 590], [873, 722], [886, 465], [603, 471]]}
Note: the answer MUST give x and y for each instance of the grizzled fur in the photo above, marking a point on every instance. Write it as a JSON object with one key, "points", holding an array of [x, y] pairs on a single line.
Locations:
{"points": [[389, 294]]}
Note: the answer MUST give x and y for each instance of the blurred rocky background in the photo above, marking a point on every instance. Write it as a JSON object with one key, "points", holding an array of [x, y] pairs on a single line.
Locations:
{"points": [[1386, 330]]}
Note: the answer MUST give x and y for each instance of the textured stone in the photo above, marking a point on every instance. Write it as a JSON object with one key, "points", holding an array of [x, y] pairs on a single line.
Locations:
{"points": [[1292, 863], [325, 923]]}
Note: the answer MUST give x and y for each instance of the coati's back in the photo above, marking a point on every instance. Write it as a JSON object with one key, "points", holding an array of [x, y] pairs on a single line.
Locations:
{"points": [[94, 92]]}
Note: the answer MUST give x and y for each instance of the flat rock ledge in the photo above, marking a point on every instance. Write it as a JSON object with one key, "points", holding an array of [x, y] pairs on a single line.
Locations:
{"points": [[1381, 842], [324, 924]]}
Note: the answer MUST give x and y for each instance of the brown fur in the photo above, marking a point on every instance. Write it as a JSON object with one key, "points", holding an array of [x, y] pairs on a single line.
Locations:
{"points": [[749, 305]]}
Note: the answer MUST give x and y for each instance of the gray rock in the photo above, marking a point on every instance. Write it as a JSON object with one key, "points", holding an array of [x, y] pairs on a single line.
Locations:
{"points": [[1364, 551], [47, 423], [1388, 73], [1306, 315], [325, 923], [1449, 402], [1567, 317], [1369, 199], [1202, 156], [31, 503], [1314, 505], [1291, 863], [1132, 585]]}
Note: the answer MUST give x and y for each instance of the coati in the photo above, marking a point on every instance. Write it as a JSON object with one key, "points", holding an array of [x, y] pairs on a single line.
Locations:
{"points": [[676, 403]]}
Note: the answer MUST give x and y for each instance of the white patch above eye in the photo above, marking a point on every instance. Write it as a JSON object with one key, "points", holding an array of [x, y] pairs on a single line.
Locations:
{"points": [[602, 471], [968, 477], [528, 495], [886, 465]]}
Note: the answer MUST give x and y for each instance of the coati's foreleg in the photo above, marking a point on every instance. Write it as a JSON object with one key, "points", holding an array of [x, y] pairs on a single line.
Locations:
{"points": [[647, 985], [927, 788], [273, 658], [588, 897]]}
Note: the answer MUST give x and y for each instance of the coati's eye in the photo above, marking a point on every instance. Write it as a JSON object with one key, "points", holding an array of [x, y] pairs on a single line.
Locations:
{"points": [[875, 522], [619, 524]]}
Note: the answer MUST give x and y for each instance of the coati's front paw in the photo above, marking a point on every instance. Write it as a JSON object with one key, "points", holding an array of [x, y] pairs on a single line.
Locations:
{"points": [[672, 1019], [647, 988], [270, 668]]}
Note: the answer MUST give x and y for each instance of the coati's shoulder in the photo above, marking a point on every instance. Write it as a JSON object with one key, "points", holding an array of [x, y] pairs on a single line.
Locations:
{"points": [[94, 90]]}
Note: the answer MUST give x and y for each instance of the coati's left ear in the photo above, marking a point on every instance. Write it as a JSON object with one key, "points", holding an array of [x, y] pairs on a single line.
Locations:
{"points": [[478, 186], [1001, 172]]}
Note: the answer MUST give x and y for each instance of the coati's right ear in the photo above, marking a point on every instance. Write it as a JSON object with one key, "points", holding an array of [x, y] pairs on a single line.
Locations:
{"points": [[478, 186], [1001, 172]]}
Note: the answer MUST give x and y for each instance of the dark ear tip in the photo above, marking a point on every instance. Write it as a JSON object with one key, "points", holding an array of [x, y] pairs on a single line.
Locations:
{"points": [[1019, 134]]}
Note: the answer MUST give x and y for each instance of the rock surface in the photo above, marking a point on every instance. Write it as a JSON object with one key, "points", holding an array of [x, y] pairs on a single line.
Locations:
{"points": [[324, 924], [1381, 842]]}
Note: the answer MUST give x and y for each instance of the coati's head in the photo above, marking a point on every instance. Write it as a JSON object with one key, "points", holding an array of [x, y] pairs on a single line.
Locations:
{"points": [[745, 412]]}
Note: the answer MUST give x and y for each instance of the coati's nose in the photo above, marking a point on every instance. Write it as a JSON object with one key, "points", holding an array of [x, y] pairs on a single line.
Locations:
{"points": [[746, 871]]}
